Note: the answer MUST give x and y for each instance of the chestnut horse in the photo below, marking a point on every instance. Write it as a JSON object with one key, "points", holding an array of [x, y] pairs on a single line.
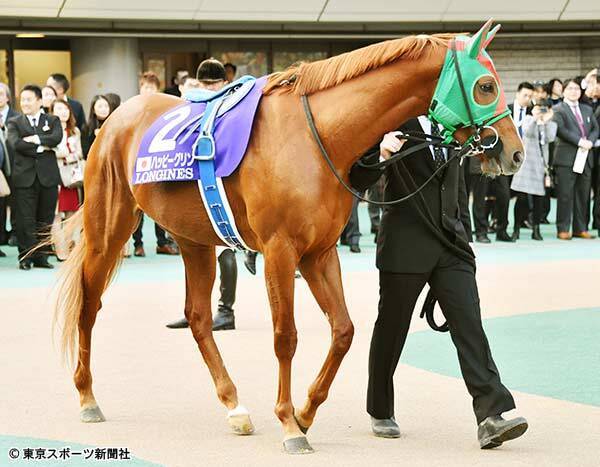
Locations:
{"points": [[287, 205]]}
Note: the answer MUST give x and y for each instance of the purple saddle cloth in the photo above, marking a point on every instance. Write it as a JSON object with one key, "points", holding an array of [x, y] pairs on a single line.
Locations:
{"points": [[165, 153]]}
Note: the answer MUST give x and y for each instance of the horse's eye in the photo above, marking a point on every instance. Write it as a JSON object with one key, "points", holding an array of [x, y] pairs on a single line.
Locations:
{"points": [[487, 88]]}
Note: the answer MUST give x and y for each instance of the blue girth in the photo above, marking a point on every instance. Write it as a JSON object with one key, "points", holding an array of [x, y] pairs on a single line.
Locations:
{"points": [[211, 187]]}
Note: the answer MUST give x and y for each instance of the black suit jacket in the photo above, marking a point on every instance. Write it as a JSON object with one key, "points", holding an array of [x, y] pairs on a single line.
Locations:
{"points": [[28, 163], [414, 233], [78, 113], [568, 133]]}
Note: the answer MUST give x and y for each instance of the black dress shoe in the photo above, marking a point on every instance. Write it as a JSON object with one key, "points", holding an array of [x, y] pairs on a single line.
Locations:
{"points": [[42, 264], [482, 238], [502, 236], [250, 261], [2, 254], [354, 248], [224, 320], [495, 430], [179, 324], [25, 265], [536, 234], [385, 428], [516, 233], [525, 224]]}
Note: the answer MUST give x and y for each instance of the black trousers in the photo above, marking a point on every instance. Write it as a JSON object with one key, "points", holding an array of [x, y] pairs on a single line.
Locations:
{"points": [[573, 195], [481, 185], [375, 193], [529, 203], [161, 235], [35, 207], [453, 282], [228, 275], [351, 233]]}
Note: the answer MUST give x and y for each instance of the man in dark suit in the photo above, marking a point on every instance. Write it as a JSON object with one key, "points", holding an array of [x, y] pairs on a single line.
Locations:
{"points": [[576, 133], [61, 85], [426, 240], [35, 177], [481, 184], [180, 73], [6, 113]]}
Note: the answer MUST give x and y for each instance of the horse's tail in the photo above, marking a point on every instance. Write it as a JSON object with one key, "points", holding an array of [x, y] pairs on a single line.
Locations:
{"points": [[69, 289], [105, 223]]}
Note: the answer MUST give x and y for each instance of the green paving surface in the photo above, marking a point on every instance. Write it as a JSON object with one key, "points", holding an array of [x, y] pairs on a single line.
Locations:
{"points": [[171, 268], [554, 354], [42, 452]]}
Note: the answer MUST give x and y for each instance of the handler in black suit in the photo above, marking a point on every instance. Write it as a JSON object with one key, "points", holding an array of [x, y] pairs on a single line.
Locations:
{"points": [[426, 240], [35, 177], [577, 128]]}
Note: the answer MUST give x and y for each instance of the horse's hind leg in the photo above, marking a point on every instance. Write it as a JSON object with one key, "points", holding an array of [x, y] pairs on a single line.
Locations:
{"points": [[101, 258], [200, 265], [322, 272]]}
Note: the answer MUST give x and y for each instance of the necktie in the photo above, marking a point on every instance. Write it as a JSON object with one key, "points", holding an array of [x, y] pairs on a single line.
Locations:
{"points": [[520, 122], [438, 153], [579, 119], [33, 122]]}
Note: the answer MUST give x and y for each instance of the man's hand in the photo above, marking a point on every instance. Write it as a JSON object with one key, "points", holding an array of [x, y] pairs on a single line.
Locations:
{"points": [[35, 139], [391, 144], [586, 144]]}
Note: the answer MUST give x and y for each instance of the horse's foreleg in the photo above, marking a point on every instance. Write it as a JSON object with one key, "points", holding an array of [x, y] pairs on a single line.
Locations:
{"points": [[280, 265], [322, 272], [200, 265]]}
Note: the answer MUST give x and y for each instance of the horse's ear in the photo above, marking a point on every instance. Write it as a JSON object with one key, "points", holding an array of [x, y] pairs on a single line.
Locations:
{"points": [[477, 42], [490, 36]]}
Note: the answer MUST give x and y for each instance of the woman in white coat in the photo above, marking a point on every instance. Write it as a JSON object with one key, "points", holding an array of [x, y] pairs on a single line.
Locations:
{"points": [[531, 181]]}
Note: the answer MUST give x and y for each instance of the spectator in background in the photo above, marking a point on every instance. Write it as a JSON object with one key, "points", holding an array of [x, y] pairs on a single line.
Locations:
{"points": [[36, 177], [590, 96], [114, 100], [187, 83], [180, 73], [555, 91], [540, 94], [68, 153], [48, 97], [61, 85], [99, 112], [577, 130], [6, 113], [150, 84], [529, 182], [230, 71]]}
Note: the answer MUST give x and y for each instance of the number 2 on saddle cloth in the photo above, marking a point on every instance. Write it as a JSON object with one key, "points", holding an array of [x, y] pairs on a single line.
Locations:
{"points": [[203, 140]]}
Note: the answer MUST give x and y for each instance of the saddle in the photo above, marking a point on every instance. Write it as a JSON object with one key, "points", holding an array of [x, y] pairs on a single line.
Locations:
{"points": [[203, 140]]}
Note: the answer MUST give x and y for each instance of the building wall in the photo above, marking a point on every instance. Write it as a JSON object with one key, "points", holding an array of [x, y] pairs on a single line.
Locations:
{"points": [[542, 59]]}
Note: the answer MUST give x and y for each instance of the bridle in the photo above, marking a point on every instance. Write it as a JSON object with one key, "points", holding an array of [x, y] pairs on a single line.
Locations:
{"points": [[473, 146]]}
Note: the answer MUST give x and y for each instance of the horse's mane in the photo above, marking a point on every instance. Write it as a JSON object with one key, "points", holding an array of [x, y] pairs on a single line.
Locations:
{"points": [[307, 78]]}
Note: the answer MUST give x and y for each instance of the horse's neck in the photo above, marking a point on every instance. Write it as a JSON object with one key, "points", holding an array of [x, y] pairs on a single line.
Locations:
{"points": [[353, 116]]}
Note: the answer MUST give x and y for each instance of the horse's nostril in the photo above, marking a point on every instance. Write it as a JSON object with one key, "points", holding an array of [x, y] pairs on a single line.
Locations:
{"points": [[518, 157]]}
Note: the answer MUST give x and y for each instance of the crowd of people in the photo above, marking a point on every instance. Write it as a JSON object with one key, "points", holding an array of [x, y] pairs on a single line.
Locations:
{"points": [[43, 149]]}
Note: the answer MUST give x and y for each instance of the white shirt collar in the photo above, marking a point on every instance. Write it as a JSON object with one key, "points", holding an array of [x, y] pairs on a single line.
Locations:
{"points": [[4, 113], [426, 125], [35, 117]]}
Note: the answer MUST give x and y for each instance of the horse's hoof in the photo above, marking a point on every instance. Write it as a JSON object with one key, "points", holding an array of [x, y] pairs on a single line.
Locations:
{"points": [[239, 421], [298, 445], [92, 415]]}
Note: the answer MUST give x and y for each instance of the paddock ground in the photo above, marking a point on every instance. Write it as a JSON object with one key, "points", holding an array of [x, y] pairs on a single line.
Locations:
{"points": [[541, 309]]}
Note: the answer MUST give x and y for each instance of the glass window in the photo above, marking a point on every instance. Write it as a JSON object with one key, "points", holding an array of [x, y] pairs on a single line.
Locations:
{"points": [[282, 60], [247, 63]]}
